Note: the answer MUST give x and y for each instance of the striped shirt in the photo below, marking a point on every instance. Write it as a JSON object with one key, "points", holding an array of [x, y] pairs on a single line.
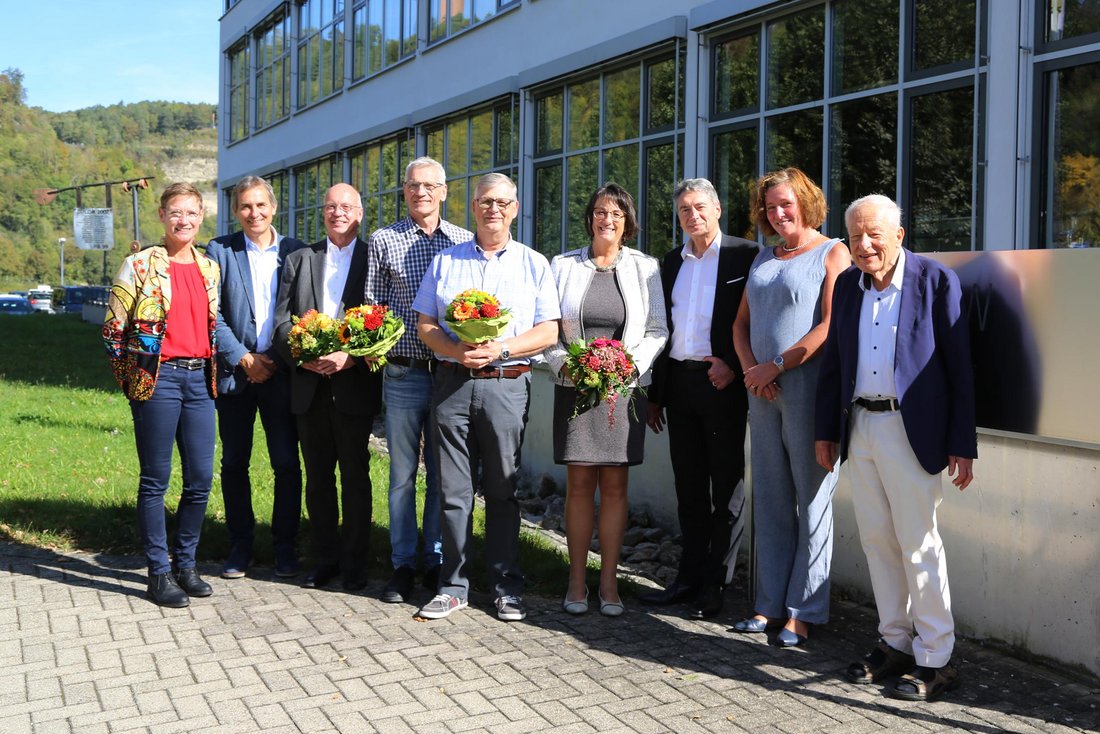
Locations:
{"points": [[398, 256]]}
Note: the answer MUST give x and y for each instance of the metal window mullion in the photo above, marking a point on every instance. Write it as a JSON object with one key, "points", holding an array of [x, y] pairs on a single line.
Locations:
{"points": [[827, 112], [902, 174]]}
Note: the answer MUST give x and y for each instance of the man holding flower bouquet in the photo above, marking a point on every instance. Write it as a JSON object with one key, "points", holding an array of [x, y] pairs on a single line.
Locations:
{"points": [[398, 256], [334, 395], [500, 296]]}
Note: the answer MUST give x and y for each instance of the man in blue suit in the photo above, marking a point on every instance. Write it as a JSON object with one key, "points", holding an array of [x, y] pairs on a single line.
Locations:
{"points": [[896, 399], [252, 377]]}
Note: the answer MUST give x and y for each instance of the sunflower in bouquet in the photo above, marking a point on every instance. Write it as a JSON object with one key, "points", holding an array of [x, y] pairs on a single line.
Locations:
{"points": [[602, 371], [371, 331], [314, 335], [476, 316]]}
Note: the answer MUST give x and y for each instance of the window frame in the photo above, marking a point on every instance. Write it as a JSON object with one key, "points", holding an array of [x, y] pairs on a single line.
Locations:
{"points": [[281, 15]]}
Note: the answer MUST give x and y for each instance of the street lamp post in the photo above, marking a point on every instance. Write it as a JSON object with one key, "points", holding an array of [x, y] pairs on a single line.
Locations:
{"points": [[61, 246]]}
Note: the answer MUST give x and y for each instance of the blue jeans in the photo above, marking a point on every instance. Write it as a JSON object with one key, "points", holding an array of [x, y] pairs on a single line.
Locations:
{"points": [[181, 412], [236, 419], [407, 393]]}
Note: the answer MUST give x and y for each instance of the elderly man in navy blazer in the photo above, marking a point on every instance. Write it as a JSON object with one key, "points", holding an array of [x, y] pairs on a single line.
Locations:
{"points": [[253, 377], [896, 399]]}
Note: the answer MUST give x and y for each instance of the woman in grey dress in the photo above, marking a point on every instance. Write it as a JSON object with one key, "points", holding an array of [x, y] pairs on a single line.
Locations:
{"points": [[780, 326], [606, 290]]}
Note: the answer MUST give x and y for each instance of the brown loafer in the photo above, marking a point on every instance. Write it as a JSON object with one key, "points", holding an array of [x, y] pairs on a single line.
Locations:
{"points": [[926, 684], [881, 662]]}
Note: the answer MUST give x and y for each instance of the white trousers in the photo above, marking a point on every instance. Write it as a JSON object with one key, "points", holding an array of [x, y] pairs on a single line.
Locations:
{"points": [[895, 502]]}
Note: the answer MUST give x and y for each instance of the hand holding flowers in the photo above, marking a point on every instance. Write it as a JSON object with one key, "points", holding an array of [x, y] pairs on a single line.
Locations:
{"points": [[476, 317], [601, 371], [371, 331]]}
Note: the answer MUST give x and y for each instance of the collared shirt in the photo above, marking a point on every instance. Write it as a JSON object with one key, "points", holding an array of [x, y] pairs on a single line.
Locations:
{"points": [[693, 302], [398, 256], [517, 275], [264, 265], [878, 330], [337, 265]]}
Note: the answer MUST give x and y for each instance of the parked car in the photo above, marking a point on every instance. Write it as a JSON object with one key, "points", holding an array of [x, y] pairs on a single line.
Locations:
{"points": [[71, 298], [41, 298], [11, 305]]}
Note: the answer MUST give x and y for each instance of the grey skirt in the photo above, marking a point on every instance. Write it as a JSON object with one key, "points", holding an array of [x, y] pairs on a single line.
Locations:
{"points": [[587, 439]]}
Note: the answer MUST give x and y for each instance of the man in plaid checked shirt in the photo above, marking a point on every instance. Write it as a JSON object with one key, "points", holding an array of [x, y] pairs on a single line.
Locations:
{"points": [[398, 256]]}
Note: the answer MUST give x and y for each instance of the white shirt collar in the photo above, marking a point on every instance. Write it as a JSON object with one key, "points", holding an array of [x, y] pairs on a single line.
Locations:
{"points": [[687, 251]]}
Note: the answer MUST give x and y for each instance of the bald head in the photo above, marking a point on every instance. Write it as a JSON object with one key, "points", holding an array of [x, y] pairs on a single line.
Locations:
{"points": [[343, 211]]}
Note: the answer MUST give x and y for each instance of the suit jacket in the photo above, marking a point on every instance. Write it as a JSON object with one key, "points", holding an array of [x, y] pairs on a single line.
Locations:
{"points": [[932, 369], [735, 257], [355, 391], [236, 325]]}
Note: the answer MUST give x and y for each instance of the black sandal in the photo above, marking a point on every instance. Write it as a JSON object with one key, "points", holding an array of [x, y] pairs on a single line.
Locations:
{"points": [[926, 684], [882, 662]]}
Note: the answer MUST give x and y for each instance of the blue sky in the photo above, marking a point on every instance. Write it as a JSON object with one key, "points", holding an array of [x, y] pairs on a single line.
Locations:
{"points": [[80, 53]]}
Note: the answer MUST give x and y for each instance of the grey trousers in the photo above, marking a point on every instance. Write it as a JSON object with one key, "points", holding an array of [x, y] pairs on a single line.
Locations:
{"points": [[479, 425]]}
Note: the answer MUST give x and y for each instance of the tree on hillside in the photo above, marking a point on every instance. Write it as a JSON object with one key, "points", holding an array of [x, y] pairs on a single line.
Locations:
{"points": [[11, 87]]}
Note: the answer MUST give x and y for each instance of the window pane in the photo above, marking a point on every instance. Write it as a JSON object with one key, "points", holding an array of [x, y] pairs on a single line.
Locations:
{"points": [[548, 124], [376, 39], [359, 43], [621, 166], [863, 154], [459, 19], [389, 165], [391, 32], [733, 173], [584, 114], [658, 233], [941, 214], [483, 9], [582, 181], [548, 210], [481, 141], [504, 152], [370, 172], [388, 209], [408, 46], [1072, 161], [737, 75], [437, 27], [457, 205], [865, 45], [456, 147], [794, 139], [623, 100], [1069, 18], [796, 58], [661, 94], [943, 32], [434, 144]]}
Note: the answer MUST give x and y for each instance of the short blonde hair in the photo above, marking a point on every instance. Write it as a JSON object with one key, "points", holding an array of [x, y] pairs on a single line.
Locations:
{"points": [[810, 197], [180, 188]]}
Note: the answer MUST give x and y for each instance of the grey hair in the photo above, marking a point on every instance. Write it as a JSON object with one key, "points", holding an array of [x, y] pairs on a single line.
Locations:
{"points": [[252, 182], [695, 184], [492, 180], [427, 162], [884, 204]]}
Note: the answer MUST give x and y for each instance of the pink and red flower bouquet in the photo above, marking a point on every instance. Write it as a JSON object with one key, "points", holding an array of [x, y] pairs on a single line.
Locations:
{"points": [[601, 370], [371, 331], [477, 317]]}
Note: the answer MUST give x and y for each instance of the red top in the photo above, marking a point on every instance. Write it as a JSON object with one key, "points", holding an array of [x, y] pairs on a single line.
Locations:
{"points": [[186, 327]]}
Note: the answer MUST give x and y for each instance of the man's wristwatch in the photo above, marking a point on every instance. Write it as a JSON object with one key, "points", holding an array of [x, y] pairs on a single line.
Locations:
{"points": [[778, 362], [505, 353]]}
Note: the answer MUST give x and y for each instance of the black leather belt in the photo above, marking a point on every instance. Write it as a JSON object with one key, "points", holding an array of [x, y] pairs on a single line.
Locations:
{"points": [[886, 405], [419, 364], [187, 363], [506, 373], [692, 365]]}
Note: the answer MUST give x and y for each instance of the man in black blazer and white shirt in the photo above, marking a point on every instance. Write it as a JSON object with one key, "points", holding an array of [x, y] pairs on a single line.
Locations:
{"points": [[335, 397], [698, 386]]}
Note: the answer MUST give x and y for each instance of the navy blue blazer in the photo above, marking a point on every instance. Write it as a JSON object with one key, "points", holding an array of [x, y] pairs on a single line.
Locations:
{"points": [[932, 369], [236, 327]]}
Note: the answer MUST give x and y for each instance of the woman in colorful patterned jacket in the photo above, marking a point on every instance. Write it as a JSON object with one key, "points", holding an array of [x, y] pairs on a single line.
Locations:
{"points": [[159, 336]]}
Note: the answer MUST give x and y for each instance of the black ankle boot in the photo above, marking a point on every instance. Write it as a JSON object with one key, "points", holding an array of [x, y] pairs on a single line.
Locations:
{"points": [[164, 590]]}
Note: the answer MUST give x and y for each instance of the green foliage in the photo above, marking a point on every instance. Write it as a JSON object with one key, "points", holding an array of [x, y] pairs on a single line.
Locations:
{"points": [[40, 149]]}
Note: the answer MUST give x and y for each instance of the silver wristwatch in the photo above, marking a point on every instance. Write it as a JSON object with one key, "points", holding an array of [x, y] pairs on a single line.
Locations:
{"points": [[505, 353], [778, 362]]}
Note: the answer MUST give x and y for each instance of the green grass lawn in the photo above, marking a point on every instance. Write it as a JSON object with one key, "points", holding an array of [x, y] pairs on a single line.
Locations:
{"points": [[68, 467]]}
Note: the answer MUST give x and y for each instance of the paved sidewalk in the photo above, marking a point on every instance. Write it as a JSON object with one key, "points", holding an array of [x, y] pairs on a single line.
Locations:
{"points": [[81, 650]]}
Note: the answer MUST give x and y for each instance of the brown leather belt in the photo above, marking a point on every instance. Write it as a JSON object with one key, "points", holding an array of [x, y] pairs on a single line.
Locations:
{"points": [[420, 364], [483, 373]]}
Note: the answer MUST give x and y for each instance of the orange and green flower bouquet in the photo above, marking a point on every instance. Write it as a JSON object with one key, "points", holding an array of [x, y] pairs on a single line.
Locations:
{"points": [[314, 335], [476, 316], [371, 331]]}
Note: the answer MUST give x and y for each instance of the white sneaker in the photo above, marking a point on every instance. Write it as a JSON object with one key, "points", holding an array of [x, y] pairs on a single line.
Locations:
{"points": [[441, 606]]}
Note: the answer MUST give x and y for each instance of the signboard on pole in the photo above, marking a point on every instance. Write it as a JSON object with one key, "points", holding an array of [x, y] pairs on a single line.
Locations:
{"points": [[94, 228]]}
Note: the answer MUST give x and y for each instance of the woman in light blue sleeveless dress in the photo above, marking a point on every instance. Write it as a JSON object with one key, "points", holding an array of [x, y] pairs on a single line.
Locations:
{"points": [[780, 326]]}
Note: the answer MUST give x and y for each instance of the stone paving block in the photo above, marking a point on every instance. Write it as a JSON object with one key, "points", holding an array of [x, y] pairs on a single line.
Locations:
{"points": [[103, 717], [12, 723], [144, 722]]}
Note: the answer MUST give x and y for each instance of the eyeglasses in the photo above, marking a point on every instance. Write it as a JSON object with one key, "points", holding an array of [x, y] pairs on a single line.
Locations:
{"points": [[178, 214], [342, 208], [487, 203], [414, 186], [615, 215]]}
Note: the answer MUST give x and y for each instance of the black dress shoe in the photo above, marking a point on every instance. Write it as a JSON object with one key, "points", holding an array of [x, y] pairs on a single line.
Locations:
{"points": [[676, 593], [355, 580], [399, 588], [164, 591], [190, 581], [319, 577], [707, 604]]}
